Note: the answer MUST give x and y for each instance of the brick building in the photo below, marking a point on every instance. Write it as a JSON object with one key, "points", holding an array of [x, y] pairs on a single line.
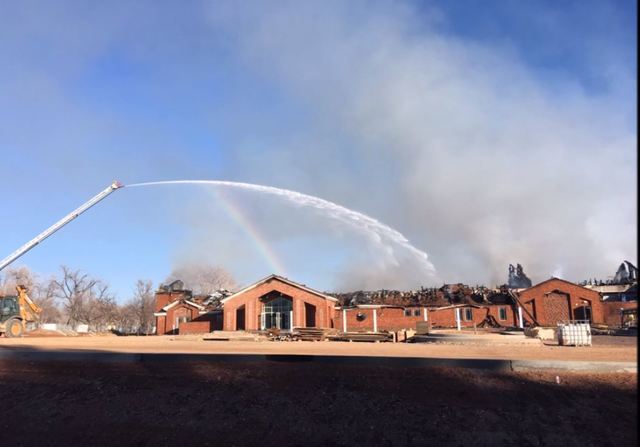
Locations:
{"points": [[273, 302], [277, 302], [380, 317], [556, 300], [178, 311]]}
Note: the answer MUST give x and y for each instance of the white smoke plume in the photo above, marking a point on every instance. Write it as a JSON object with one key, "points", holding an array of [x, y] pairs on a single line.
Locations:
{"points": [[461, 146], [461, 142]]}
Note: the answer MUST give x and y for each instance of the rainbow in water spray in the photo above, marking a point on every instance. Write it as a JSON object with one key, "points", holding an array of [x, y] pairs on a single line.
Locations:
{"points": [[252, 230], [374, 230]]}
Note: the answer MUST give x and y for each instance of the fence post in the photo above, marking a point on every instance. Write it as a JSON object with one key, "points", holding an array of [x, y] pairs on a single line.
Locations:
{"points": [[344, 320], [375, 320]]}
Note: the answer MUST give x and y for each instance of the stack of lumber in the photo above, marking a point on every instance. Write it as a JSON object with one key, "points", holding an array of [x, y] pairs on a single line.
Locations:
{"points": [[361, 336], [309, 333]]}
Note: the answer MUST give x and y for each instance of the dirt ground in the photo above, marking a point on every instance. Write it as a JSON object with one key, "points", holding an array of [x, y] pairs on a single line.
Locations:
{"points": [[303, 404], [605, 348]]}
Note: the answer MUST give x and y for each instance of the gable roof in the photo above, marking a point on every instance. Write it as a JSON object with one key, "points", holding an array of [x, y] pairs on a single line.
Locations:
{"points": [[281, 279], [553, 278], [175, 303]]}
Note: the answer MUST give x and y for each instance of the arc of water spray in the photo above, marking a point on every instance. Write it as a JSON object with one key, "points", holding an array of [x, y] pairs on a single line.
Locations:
{"points": [[375, 229]]}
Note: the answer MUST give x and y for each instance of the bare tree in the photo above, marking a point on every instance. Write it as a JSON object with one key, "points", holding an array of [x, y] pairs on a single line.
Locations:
{"points": [[46, 299], [72, 290], [142, 306], [126, 319], [100, 310], [202, 278], [84, 299], [17, 276]]}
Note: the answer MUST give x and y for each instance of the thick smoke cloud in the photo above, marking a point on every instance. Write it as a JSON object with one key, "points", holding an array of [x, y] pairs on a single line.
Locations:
{"points": [[481, 151], [461, 146]]}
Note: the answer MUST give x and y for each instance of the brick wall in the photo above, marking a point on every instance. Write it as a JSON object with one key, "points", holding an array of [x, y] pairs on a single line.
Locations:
{"points": [[324, 309], [557, 306], [163, 298], [611, 311], [168, 324], [394, 319], [446, 318], [195, 327], [214, 318], [548, 300], [388, 319]]}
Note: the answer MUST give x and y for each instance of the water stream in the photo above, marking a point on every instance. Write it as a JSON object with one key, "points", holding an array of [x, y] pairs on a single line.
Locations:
{"points": [[368, 226]]}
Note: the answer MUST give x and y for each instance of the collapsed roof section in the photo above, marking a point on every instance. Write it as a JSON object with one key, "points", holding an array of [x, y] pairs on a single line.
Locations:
{"points": [[447, 295], [176, 292], [626, 275]]}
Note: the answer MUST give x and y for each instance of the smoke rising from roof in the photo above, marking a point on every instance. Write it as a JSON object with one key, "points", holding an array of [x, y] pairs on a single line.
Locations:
{"points": [[460, 145]]}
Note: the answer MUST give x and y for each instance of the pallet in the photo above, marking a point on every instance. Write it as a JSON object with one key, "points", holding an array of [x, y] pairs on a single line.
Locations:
{"points": [[371, 337], [310, 333]]}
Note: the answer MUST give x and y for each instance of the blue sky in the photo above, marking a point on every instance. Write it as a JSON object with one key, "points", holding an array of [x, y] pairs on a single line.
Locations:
{"points": [[485, 132]]}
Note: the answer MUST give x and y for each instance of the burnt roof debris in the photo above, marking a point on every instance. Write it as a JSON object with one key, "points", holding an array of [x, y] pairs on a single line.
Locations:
{"points": [[627, 274], [447, 295], [175, 286], [517, 278], [213, 301], [210, 302]]}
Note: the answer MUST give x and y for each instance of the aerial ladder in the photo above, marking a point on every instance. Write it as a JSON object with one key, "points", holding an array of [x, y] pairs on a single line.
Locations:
{"points": [[17, 311], [61, 223]]}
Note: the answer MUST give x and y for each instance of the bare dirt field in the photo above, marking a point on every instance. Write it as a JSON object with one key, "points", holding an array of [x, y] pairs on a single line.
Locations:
{"points": [[300, 403], [305, 404], [605, 348]]}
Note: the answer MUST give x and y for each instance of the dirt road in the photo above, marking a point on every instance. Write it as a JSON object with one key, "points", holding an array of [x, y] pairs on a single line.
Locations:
{"points": [[602, 350]]}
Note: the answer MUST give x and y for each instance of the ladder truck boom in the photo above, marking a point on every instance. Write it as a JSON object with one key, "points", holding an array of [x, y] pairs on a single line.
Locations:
{"points": [[61, 223]]}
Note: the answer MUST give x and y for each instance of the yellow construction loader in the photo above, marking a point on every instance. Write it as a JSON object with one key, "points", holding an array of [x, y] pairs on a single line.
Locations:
{"points": [[16, 312]]}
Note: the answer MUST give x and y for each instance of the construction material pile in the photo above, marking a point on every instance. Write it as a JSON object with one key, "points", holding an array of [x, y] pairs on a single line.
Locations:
{"points": [[361, 336]]}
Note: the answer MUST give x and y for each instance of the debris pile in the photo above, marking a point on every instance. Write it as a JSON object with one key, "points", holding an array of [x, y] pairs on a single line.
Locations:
{"points": [[447, 295], [210, 302]]}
